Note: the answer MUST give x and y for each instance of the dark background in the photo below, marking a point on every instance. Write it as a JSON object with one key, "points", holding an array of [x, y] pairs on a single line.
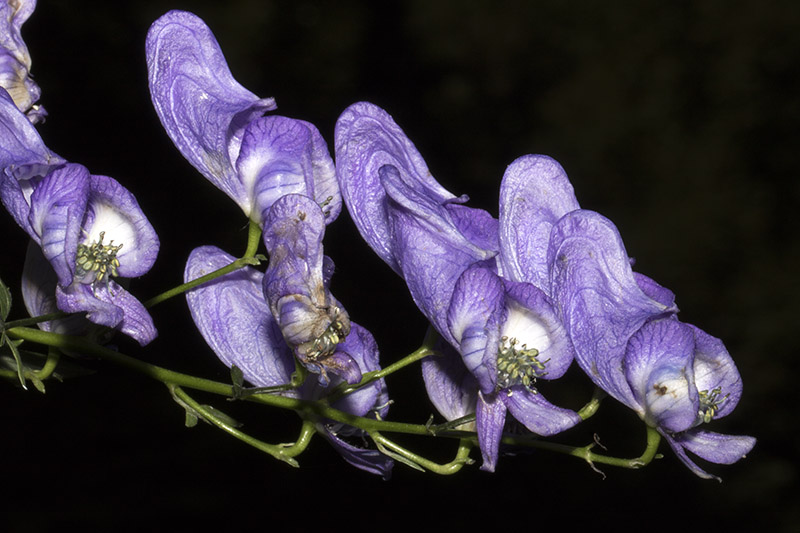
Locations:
{"points": [[679, 121]]}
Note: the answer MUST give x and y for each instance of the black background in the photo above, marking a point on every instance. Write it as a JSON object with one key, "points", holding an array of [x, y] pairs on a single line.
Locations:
{"points": [[679, 121]]}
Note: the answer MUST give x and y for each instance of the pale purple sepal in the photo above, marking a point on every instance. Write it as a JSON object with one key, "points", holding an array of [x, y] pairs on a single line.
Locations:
{"points": [[235, 321], [714, 368], [534, 195], [490, 418], [39, 282], [15, 60], [313, 322], [430, 250], [713, 447], [651, 288], [23, 160], [108, 304], [659, 365], [536, 413], [367, 139], [369, 460], [451, 387], [58, 205], [202, 107], [113, 210], [600, 301], [281, 156], [361, 346]]}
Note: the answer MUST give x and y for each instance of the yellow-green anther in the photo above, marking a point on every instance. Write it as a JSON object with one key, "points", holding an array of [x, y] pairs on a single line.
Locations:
{"points": [[517, 365], [709, 403]]}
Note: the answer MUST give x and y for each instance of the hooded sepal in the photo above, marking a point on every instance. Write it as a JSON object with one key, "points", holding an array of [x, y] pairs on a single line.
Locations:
{"points": [[600, 302], [534, 195], [201, 106], [366, 140], [281, 156], [430, 249]]}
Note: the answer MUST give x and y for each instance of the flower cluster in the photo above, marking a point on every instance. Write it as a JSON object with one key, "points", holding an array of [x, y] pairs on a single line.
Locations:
{"points": [[279, 171], [514, 298], [520, 296], [86, 230]]}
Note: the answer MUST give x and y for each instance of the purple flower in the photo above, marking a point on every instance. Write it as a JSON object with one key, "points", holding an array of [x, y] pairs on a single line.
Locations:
{"points": [[218, 125], [296, 285], [454, 260], [90, 228], [629, 342], [234, 318], [15, 61]]}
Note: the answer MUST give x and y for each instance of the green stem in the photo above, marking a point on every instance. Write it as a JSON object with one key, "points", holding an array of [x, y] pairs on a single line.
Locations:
{"points": [[50, 364], [594, 404], [395, 451], [36, 320], [253, 239], [585, 452], [180, 289], [345, 389], [275, 451], [311, 410], [306, 432]]}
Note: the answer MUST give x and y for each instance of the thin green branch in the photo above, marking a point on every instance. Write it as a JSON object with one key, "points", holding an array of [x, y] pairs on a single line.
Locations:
{"points": [[53, 356], [585, 452], [397, 452], [180, 289], [276, 451], [32, 321], [345, 389]]}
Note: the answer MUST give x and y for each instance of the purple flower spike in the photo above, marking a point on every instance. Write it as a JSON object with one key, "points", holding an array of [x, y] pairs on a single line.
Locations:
{"points": [[15, 61], [237, 323], [313, 322], [628, 341], [218, 125], [471, 275]]}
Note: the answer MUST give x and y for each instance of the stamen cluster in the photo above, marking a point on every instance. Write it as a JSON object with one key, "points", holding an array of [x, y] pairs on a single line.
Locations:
{"points": [[517, 365], [709, 404], [97, 258], [324, 345]]}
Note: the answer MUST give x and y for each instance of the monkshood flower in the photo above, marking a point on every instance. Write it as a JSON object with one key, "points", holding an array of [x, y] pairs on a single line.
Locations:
{"points": [[296, 285], [629, 342], [235, 320], [90, 228], [15, 61], [219, 126], [506, 331]]}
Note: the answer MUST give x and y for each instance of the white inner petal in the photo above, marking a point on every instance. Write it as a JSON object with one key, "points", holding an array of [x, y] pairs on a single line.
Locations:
{"points": [[527, 328], [117, 228]]}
